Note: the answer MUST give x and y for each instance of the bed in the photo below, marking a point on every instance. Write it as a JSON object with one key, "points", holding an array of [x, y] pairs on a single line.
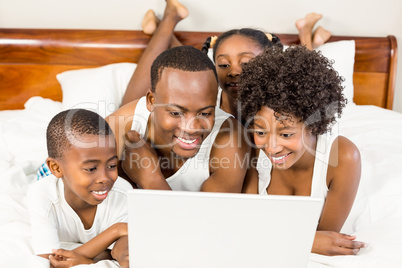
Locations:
{"points": [[43, 71]]}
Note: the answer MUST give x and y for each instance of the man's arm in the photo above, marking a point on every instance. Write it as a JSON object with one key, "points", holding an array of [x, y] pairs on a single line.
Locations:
{"points": [[141, 163], [120, 122], [250, 185], [229, 159]]}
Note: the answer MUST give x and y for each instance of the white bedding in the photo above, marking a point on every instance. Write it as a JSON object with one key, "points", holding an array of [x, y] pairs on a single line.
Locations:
{"points": [[376, 217]]}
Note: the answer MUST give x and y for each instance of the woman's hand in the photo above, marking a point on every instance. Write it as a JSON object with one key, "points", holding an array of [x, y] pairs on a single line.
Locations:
{"points": [[333, 243], [62, 258]]}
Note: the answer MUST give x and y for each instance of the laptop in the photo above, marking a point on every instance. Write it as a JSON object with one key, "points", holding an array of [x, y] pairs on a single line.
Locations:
{"points": [[174, 229]]}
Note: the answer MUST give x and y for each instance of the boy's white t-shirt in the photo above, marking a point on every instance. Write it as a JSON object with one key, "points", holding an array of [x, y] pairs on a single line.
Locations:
{"points": [[54, 222]]}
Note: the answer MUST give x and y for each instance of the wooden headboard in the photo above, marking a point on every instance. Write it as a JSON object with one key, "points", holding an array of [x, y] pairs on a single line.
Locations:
{"points": [[31, 58]]}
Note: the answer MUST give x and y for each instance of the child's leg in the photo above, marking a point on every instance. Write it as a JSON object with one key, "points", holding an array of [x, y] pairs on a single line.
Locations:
{"points": [[161, 40], [305, 27], [320, 36], [151, 22]]}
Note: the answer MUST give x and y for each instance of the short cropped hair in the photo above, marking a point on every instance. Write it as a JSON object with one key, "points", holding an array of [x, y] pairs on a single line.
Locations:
{"points": [[296, 82], [184, 58], [70, 123]]}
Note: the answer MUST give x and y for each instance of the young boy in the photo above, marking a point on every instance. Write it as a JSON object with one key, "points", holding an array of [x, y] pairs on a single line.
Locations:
{"points": [[83, 201]]}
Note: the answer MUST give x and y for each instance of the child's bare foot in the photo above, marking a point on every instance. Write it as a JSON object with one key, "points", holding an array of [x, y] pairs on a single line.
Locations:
{"points": [[175, 9], [321, 36], [308, 22], [150, 22]]}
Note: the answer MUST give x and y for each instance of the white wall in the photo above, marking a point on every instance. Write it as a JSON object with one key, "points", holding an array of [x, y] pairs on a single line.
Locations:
{"points": [[342, 17]]}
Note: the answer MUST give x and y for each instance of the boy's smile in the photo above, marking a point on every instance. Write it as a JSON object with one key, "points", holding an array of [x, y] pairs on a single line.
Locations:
{"points": [[89, 170], [100, 195], [183, 111]]}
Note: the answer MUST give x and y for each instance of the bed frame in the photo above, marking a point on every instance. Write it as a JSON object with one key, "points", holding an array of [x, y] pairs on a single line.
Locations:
{"points": [[31, 58]]}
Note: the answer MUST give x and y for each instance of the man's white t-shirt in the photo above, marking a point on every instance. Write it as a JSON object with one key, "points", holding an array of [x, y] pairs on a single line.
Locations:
{"points": [[54, 222]]}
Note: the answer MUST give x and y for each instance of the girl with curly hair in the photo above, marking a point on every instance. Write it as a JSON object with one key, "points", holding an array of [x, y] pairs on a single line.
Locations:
{"points": [[290, 100]]}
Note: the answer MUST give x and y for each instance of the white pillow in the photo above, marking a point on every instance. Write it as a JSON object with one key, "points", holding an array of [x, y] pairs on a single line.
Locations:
{"points": [[211, 54], [98, 89], [343, 54]]}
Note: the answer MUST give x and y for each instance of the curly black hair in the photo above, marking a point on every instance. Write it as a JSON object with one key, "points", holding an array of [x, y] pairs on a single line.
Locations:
{"points": [[69, 124], [184, 58], [259, 37], [296, 82]]}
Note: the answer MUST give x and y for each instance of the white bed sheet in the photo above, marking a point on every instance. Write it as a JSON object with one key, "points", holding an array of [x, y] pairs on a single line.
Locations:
{"points": [[376, 216]]}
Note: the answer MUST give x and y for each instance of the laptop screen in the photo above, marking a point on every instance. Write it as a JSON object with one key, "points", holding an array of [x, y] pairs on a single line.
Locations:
{"points": [[195, 229]]}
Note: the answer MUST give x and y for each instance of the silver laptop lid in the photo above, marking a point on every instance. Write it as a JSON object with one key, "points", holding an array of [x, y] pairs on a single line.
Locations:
{"points": [[170, 229]]}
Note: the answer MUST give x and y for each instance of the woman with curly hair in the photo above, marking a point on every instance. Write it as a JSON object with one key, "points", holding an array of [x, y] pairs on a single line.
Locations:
{"points": [[290, 100]]}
